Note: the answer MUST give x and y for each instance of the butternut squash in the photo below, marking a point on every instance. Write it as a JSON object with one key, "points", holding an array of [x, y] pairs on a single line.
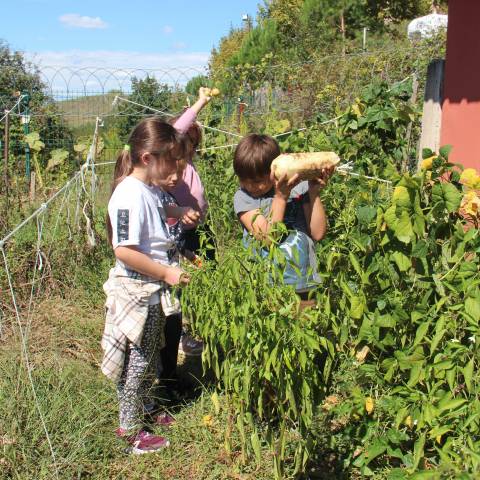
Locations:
{"points": [[307, 165]]}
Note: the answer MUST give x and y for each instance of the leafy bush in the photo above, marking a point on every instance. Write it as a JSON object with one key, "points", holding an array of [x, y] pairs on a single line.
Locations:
{"points": [[383, 372]]}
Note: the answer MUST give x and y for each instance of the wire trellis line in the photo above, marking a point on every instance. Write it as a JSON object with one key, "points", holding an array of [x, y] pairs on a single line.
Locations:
{"points": [[8, 112], [156, 110]]}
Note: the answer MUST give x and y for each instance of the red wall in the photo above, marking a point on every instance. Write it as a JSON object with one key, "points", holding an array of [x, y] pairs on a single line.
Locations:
{"points": [[461, 105]]}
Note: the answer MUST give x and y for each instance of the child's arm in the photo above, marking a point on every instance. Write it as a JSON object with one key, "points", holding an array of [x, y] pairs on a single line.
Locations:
{"points": [[189, 116], [203, 99], [260, 226], [314, 210], [142, 263], [187, 215]]}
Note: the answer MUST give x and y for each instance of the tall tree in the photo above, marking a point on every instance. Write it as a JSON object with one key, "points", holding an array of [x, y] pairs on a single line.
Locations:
{"points": [[17, 75], [145, 91], [228, 47]]}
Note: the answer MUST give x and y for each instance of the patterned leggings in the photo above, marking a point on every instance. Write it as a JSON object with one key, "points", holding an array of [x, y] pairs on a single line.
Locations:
{"points": [[139, 373]]}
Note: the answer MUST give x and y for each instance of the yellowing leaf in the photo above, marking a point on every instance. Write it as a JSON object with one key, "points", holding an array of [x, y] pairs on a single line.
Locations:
{"points": [[369, 405], [330, 402], [362, 354], [401, 196], [207, 420], [427, 163], [408, 422], [470, 178], [216, 402], [470, 203]]}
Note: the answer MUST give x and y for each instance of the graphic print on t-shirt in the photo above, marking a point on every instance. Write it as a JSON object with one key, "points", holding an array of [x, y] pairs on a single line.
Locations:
{"points": [[122, 225]]}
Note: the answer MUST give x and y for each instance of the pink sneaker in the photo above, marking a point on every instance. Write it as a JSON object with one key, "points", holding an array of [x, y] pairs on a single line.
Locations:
{"points": [[143, 442], [164, 420]]}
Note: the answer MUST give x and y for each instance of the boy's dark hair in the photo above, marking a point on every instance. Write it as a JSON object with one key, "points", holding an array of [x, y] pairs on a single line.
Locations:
{"points": [[254, 155]]}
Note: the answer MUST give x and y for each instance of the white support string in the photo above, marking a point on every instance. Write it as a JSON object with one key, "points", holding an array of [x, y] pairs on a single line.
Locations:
{"points": [[90, 163], [219, 147], [8, 112], [105, 163], [90, 160], [77, 206], [65, 200], [118, 98], [38, 215], [27, 360], [38, 266], [331, 120], [345, 169], [38, 211]]}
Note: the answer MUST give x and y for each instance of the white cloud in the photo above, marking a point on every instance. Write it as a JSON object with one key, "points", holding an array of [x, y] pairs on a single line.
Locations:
{"points": [[167, 29], [103, 70], [82, 21]]}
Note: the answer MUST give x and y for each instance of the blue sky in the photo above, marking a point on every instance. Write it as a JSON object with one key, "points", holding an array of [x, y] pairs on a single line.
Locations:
{"points": [[120, 34]]}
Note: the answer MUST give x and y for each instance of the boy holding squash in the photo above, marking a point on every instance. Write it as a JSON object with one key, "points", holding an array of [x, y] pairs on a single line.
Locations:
{"points": [[264, 200]]}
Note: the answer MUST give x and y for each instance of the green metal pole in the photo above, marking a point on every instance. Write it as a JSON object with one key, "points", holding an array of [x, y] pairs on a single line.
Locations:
{"points": [[26, 131]]}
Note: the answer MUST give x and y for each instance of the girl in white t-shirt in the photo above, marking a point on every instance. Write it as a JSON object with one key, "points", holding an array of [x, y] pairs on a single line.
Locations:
{"points": [[138, 288]]}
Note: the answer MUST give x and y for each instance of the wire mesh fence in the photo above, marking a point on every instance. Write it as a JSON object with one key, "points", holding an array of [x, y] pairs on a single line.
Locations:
{"points": [[87, 93], [65, 102]]}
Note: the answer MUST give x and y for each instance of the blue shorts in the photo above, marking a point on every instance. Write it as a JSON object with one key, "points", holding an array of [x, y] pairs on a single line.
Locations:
{"points": [[298, 253]]}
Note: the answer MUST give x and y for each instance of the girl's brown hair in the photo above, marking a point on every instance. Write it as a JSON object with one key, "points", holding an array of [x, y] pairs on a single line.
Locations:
{"points": [[193, 137], [156, 137]]}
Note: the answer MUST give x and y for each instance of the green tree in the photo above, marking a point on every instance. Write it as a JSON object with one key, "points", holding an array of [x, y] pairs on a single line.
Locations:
{"points": [[18, 76], [260, 40], [285, 14], [385, 12], [195, 83], [228, 47], [149, 92]]}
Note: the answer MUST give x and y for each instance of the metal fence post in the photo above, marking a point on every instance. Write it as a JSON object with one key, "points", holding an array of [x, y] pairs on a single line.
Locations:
{"points": [[6, 153], [26, 131]]}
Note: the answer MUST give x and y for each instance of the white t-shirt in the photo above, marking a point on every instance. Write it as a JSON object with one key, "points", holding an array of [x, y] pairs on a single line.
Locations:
{"points": [[138, 218]]}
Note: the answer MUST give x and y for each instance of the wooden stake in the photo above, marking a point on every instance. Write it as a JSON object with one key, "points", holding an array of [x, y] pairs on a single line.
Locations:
{"points": [[432, 108], [32, 186]]}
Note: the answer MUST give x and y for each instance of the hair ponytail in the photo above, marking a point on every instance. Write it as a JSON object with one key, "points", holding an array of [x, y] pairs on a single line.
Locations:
{"points": [[123, 168]]}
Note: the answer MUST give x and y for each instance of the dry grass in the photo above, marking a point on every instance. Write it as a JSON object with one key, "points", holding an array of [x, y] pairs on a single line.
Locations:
{"points": [[79, 407]]}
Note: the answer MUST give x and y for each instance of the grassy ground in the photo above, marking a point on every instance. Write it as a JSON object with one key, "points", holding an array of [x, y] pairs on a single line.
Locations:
{"points": [[80, 411], [84, 109]]}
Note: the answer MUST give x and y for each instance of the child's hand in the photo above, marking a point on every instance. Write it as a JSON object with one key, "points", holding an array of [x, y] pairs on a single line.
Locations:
{"points": [[322, 180], [190, 216], [283, 186], [176, 276], [204, 94]]}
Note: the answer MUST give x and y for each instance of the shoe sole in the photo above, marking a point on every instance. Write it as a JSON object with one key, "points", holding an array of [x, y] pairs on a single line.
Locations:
{"points": [[190, 354], [139, 451]]}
